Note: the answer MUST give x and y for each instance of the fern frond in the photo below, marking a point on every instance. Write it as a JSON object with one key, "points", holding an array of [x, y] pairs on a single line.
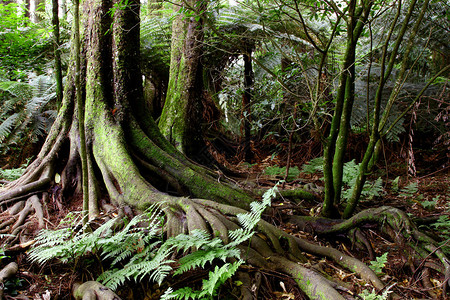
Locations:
{"points": [[313, 166], [218, 277], [197, 239], [185, 293], [8, 125], [168, 294], [8, 107], [200, 258], [55, 244], [238, 237]]}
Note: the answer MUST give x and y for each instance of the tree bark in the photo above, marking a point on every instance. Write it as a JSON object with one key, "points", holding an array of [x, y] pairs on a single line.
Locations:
{"points": [[180, 120], [57, 52], [246, 104]]}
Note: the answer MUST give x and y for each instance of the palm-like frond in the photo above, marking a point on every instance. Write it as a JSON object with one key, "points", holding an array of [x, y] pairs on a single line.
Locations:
{"points": [[8, 125], [155, 43]]}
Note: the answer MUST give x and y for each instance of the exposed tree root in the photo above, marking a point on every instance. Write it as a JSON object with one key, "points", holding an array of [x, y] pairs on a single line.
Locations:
{"points": [[14, 220], [394, 223], [9, 271]]}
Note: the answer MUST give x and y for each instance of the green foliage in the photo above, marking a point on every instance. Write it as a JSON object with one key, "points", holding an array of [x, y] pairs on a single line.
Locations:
{"points": [[209, 286], [2, 253], [13, 285], [135, 252], [156, 35], [395, 186], [378, 264], [27, 111], [371, 188], [366, 295], [350, 172], [362, 108], [313, 166], [410, 190], [430, 204], [21, 43], [13, 174], [281, 171], [443, 226]]}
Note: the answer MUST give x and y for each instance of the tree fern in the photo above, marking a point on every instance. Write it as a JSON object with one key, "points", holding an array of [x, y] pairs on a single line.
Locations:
{"points": [[20, 90], [8, 125], [25, 114]]}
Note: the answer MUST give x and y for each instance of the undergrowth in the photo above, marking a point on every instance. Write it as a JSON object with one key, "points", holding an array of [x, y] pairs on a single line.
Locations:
{"points": [[136, 252], [15, 173], [371, 189]]}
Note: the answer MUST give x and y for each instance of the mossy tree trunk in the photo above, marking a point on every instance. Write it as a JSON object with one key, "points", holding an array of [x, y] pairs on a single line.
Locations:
{"points": [[57, 52], [180, 120], [336, 142]]}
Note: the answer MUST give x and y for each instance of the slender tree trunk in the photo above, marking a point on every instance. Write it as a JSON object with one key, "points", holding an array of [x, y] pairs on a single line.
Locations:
{"points": [[246, 105], [336, 142], [57, 52]]}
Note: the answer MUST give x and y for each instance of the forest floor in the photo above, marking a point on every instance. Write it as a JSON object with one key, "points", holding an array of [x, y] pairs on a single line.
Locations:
{"points": [[426, 196]]}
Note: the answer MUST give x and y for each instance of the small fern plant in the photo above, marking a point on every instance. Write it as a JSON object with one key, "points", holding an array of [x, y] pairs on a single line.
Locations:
{"points": [[135, 252], [350, 173], [378, 264], [370, 189]]}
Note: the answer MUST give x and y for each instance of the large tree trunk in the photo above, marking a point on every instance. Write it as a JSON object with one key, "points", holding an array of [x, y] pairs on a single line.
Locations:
{"points": [[180, 120]]}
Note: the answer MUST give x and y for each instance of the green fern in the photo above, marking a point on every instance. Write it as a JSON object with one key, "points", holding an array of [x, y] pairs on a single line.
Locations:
{"points": [[209, 287], [410, 190], [378, 264], [7, 126], [141, 252], [25, 114], [313, 166], [370, 189], [281, 171]]}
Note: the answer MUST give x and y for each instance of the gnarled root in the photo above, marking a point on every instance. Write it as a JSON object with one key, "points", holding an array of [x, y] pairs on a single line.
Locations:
{"points": [[93, 290], [397, 225], [14, 219], [271, 248]]}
